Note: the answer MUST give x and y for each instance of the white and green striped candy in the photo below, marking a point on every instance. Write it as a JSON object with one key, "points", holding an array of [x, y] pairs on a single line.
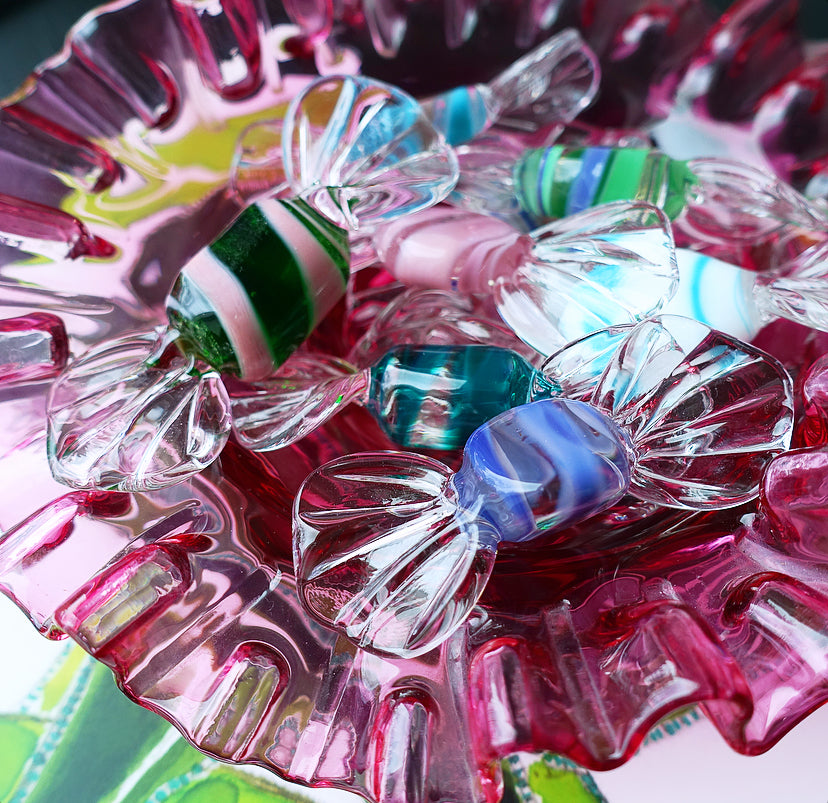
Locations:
{"points": [[245, 302]]}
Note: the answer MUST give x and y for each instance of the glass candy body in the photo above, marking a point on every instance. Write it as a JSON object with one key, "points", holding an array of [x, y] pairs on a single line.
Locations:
{"points": [[248, 300], [423, 397]]}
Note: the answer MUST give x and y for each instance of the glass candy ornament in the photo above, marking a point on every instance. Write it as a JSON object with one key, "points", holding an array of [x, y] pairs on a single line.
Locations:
{"points": [[361, 152], [551, 84], [393, 549], [433, 396], [465, 343], [709, 200], [242, 304], [423, 396], [610, 265]]}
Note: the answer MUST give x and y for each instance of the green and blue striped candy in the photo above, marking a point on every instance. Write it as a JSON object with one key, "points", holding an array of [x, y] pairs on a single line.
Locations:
{"points": [[562, 180], [248, 300]]}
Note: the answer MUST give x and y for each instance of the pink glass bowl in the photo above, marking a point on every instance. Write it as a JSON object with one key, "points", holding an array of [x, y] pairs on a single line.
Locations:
{"points": [[120, 150]]}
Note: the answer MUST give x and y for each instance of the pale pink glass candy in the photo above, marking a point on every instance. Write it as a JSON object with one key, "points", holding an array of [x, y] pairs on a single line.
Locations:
{"points": [[614, 264]]}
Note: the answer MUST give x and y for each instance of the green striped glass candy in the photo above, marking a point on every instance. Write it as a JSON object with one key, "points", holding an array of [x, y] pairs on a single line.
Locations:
{"points": [[245, 303], [144, 411], [563, 180]]}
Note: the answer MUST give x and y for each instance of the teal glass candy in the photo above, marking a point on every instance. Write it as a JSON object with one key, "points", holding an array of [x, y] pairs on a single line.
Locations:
{"points": [[423, 396], [436, 396]]}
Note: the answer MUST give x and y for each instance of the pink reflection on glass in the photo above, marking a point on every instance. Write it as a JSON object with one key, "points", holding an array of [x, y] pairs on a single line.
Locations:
{"points": [[580, 650], [224, 39], [579, 646], [812, 425], [791, 125], [40, 229], [744, 55], [32, 347], [30, 137]]}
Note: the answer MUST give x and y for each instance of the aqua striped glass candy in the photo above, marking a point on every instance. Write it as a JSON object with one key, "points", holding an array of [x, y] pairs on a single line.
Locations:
{"points": [[422, 396], [740, 302], [550, 84], [245, 302]]}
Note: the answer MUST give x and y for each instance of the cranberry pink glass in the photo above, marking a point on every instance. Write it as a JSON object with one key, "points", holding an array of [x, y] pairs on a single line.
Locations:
{"points": [[582, 661], [754, 85], [642, 48], [117, 160], [32, 347]]}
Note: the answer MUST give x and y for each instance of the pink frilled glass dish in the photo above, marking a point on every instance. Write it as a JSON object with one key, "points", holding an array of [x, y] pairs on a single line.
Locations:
{"points": [[118, 161]]}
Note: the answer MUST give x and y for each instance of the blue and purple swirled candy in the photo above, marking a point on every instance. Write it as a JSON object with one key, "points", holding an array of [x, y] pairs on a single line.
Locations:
{"points": [[543, 465]]}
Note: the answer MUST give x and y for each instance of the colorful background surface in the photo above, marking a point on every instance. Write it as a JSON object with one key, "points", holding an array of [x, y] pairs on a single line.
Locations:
{"points": [[68, 734]]}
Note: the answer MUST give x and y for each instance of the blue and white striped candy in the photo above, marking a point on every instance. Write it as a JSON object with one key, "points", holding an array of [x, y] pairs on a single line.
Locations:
{"points": [[717, 294]]}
